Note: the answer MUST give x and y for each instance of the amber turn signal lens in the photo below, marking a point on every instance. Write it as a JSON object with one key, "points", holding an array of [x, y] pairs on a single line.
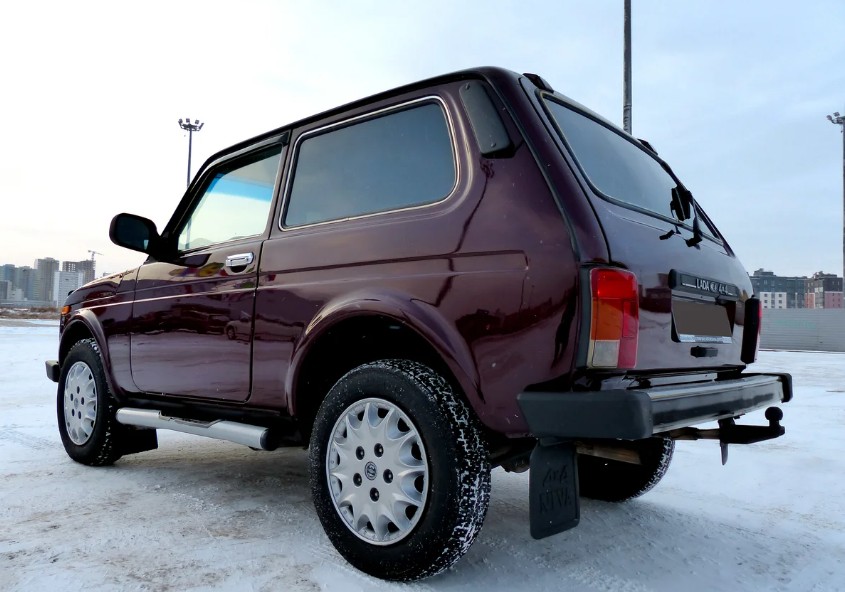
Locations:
{"points": [[65, 310]]}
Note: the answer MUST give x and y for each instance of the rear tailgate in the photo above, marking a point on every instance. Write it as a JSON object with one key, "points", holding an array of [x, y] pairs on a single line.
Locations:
{"points": [[693, 292], [692, 299]]}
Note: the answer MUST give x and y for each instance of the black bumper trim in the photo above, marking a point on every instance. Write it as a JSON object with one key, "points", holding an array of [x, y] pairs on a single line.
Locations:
{"points": [[53, 370], [640, 413]]}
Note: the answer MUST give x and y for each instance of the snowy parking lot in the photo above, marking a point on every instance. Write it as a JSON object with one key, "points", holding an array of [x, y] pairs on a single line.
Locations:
{"points": [[199, 514]]}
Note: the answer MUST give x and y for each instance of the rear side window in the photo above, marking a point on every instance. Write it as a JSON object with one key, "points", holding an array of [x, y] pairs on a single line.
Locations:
{"points": [[615, 166], [398, 159]]}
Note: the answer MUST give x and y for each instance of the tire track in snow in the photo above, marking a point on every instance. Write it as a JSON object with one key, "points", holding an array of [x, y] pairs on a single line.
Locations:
{"points": [[10, 434], [591, 576], [599, 580], [332, 559]]}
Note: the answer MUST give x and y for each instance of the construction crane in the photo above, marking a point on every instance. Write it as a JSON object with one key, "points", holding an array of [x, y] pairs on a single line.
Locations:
{"points": [[93, 253]]}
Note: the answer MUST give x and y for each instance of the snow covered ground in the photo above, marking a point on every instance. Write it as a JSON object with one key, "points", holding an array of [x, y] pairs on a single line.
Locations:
{"points": [[199, 514]]}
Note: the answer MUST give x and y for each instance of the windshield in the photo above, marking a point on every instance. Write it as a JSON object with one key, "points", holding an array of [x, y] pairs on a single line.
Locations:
{"points": [[614, 165]]}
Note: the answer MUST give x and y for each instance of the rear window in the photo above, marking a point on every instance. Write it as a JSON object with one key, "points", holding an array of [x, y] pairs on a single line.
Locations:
{"points": [[615, 166]]}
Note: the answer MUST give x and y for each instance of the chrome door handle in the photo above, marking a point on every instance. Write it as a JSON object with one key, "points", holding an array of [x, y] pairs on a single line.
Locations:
{"points": [[241, 260]]}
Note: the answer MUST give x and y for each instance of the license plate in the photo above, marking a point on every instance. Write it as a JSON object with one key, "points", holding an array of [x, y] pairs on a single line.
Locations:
{"points": [[699, 322]]}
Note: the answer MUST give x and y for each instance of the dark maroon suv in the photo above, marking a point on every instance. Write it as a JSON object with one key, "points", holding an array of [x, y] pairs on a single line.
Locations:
{"points": [[467, 272]]}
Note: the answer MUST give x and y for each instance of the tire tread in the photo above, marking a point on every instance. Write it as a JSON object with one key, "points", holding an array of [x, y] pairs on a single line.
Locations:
{"points": [[471, 465]]}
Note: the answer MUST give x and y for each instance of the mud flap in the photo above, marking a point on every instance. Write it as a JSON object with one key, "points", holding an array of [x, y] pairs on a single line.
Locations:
{"points": [[553, 489], [135, 440]]}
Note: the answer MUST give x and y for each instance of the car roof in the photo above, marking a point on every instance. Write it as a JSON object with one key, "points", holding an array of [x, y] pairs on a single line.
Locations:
{"points": [[485, 73]]}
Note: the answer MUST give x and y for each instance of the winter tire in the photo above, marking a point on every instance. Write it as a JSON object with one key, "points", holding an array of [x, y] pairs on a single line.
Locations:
{"points": [[85, 408], [616, 481], [399, 471]]}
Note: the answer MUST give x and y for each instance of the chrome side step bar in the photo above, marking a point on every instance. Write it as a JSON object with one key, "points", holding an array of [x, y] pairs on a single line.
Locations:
{"points": [[240, 433]]}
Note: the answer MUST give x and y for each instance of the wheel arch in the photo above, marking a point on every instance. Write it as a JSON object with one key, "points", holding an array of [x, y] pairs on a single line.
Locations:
{"points": [[84, 325], [364, 328]]}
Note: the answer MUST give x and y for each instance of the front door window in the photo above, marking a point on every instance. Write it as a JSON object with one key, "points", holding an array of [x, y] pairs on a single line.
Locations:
{"points": [[235, 205]]}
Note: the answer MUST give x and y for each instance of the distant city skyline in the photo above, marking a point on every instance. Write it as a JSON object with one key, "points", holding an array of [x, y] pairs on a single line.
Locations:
{"points": [[34, 262], [818, 290], [807, 275], [47, 282], [23, 262]]}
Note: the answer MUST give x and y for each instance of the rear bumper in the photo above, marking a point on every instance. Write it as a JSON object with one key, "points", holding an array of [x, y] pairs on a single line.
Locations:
{"points": [[641, 413]]}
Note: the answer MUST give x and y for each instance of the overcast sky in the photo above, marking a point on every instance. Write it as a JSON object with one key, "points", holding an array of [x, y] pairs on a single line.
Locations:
{"points": [[733, 94]]}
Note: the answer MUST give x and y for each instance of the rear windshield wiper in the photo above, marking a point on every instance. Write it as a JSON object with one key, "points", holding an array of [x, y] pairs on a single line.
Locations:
{"points": [[684, 207], [682, 204], [697, 235]]}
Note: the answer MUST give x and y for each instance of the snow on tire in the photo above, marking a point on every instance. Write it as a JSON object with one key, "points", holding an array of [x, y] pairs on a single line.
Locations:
{"points": [[616, 481], [85, 408], [399, 471]]}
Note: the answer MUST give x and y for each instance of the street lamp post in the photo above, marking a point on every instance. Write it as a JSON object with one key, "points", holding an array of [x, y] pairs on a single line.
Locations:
{"points": [[838, 119], [626, 74], [190, 128]]}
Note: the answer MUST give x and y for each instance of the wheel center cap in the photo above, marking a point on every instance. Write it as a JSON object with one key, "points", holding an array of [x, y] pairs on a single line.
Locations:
{"points": [[370, 470]]}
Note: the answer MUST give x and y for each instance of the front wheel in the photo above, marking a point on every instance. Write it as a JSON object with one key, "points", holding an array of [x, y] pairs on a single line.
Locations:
{"points": [[399, 471], [85, 408]]}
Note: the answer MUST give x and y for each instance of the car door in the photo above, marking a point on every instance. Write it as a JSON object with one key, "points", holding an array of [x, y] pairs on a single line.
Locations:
{"points": [[192, 315]]}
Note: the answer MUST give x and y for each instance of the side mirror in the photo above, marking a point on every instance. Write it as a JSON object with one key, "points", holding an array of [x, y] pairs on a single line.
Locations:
{"points": [[134, 232]]}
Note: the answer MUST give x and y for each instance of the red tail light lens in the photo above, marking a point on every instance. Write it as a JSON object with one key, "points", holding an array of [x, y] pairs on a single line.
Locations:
{"points": [[615, 323]]}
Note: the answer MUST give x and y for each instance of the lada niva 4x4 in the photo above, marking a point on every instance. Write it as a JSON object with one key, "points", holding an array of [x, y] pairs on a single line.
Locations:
{"points": [[467, 272]]}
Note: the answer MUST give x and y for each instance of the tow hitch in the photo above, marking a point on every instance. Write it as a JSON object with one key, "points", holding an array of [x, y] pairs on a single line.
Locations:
{"points": [[730, 433]]}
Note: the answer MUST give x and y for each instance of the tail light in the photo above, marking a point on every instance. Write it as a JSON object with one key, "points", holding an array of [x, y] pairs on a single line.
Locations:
{"points": [[614, 322], [751, 330]]}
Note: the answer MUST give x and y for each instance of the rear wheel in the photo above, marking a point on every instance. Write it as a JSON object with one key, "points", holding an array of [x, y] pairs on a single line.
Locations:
{"points": [[399, 471], [616, 481], [85, 408]]}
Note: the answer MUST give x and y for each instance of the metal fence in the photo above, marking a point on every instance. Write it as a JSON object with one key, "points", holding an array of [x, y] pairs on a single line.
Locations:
{"points": [[813, 329]]}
